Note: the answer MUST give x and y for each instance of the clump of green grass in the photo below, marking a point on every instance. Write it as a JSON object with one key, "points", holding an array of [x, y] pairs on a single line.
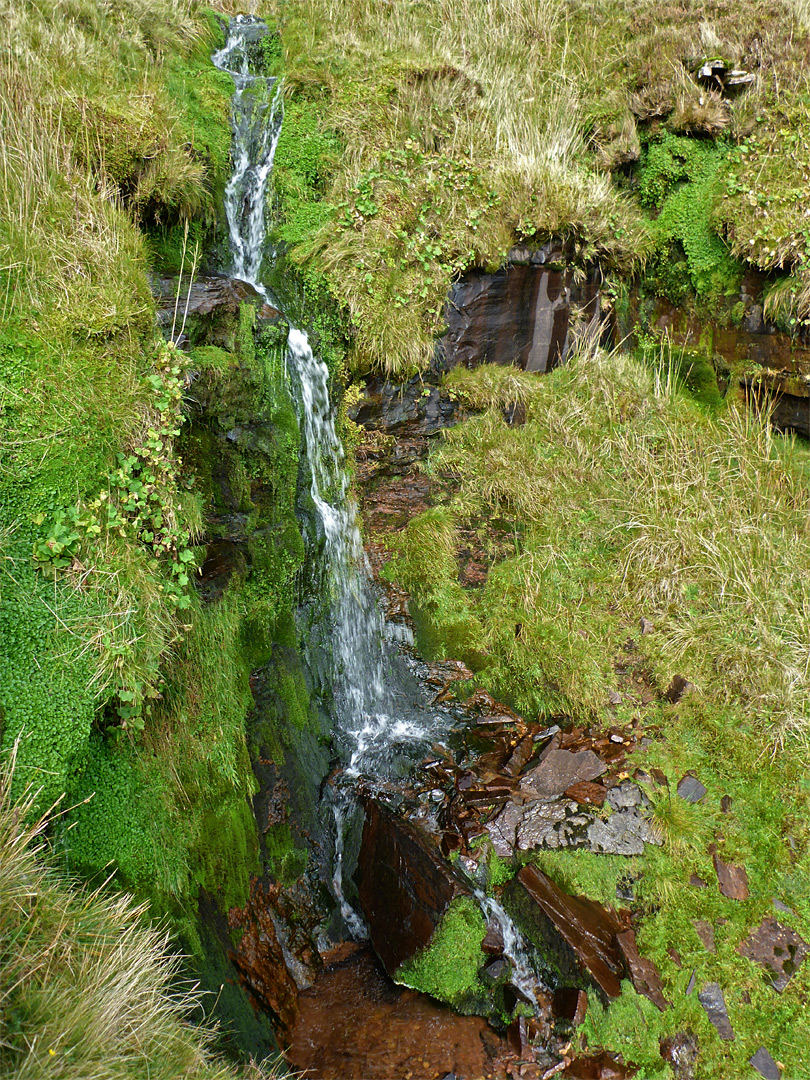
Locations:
{"points": [[87, 987]]}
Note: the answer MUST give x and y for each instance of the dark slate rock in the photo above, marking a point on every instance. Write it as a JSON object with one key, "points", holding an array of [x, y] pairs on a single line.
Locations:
{"points": [[765, 1065], [691, 789], [733, 880], [776, 947], [404, 886], [581, 933], [570, 1004], [712, 999], [643, 972]]}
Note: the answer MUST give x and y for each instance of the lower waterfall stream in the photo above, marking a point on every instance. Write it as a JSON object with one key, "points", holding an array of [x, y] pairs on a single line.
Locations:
{"points": [[382, 722]]}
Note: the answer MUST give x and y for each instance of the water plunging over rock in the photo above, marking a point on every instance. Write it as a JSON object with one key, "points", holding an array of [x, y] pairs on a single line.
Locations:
{"points": [[381, 719]]}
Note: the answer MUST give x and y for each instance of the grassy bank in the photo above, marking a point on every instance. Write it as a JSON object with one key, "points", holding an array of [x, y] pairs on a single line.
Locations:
{"points": [[452, 131], [621, 498], [119, 686], [86, 988]]}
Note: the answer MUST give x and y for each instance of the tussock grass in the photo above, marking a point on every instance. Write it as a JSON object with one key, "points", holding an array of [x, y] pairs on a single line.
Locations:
{"points": [[628, 500], [461, 134], [87, 988], [619, 498]]}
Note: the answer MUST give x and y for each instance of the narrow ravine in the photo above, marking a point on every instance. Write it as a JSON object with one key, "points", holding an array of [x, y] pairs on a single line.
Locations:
{"points": [[364, 670]]}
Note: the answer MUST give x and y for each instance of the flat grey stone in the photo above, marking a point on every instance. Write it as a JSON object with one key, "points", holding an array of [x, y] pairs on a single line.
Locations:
{"points": [[691, 789], [559, 770], [623, 833], [712, 999], [625, 796], [765, 1065]]}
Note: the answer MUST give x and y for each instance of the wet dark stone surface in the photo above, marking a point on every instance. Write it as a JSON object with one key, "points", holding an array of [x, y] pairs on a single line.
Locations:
{"points": [[643, 973], [713, 1001], [765, 1065], [207, 299], [223, 559], [778, 948], [681, 1051], [404, 886], [580, 934], [260, 960], [354, 1024]]}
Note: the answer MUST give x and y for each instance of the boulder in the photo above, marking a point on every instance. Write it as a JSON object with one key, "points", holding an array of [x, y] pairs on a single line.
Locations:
{"points": [[404, 886], [576, 935]]}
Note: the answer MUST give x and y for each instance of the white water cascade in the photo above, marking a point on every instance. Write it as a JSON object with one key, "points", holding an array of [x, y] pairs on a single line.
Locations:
{"points": [[381, 721]]}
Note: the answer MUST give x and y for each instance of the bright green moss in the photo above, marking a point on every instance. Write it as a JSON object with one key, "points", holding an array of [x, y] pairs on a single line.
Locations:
{"points": [[448, 968], [678, 178]]}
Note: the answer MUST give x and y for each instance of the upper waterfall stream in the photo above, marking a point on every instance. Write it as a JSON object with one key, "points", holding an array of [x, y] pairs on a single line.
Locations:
{"points": [[382, 723]]}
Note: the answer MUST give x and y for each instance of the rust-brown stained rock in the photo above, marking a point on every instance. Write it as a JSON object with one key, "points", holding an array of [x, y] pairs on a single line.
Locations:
{"points": [[643, 972], [260, 960], [588, 928], [776, 947], [520, 756], [733, 880], [586, 793], [598, 1067], [404, 886]]}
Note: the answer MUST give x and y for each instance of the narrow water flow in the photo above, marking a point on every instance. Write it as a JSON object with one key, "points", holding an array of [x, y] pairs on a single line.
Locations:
{"points": [[382, 725]]}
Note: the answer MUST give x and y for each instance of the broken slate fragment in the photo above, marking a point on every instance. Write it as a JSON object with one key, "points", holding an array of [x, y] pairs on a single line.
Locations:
{"points": [[690, 986], [698, 882], [645, 625], [733, 880], [705, 932], [623, 833], [691, 789], [586, 793], [712, 999], [626, 795], [558, 770], [776, 947], [765, 1065], [643, 972]]}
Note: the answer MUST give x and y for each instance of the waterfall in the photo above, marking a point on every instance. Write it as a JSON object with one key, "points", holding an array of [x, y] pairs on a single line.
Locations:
{"points": [[256, 117], [381, 722]]}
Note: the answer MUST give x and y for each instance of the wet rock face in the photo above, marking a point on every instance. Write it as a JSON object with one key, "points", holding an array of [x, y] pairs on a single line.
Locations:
{"points": [[579, 935], [260, 960], [518, 315], [404, 886], [204, 302]]}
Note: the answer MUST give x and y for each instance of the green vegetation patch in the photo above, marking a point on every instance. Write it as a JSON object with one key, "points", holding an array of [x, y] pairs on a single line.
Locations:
{"points": [[448, 968], [626, 498]]}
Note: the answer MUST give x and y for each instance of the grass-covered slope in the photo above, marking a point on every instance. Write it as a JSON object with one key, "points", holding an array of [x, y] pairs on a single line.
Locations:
{"points": [[621, 498], [118, 684], [86, 988], [440, 134]]}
